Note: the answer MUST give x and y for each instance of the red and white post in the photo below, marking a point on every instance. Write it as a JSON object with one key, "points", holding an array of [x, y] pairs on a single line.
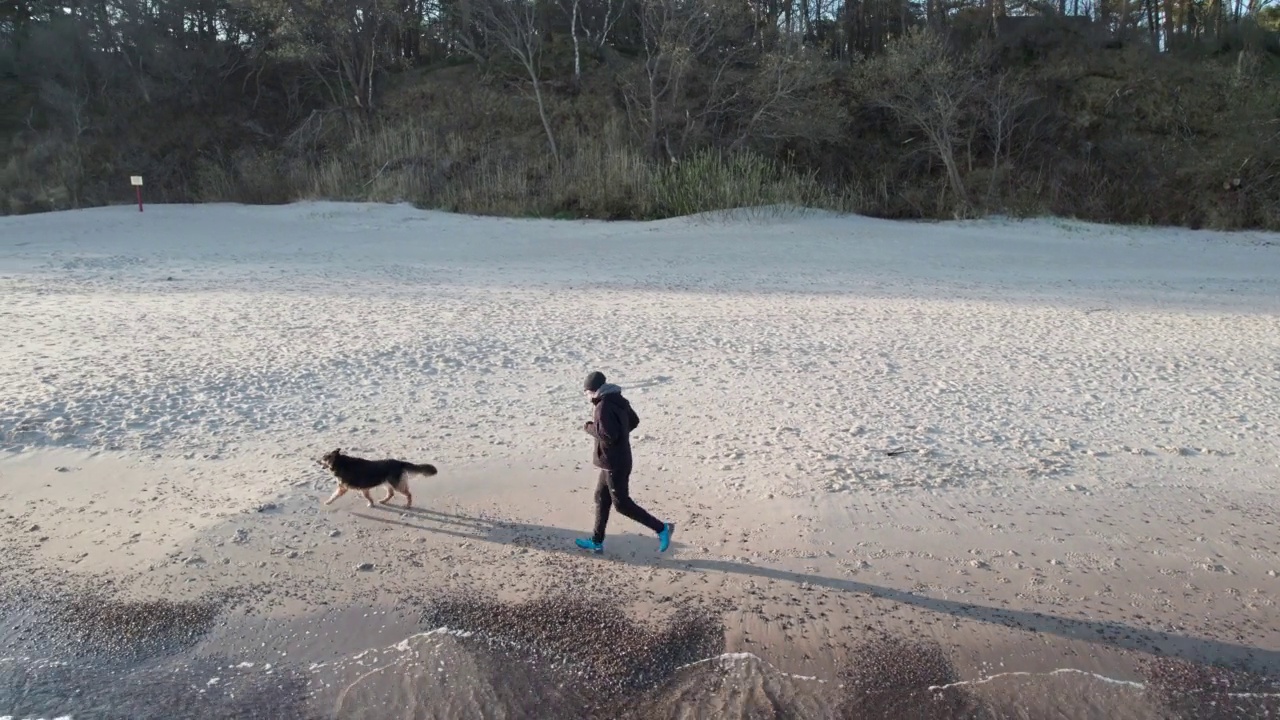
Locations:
{"points": [[136, 182]]}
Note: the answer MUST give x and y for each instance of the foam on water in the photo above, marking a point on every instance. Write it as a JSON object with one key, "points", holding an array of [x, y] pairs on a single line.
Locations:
{"points": [[729, 658], [404, 646], [1050, 673], [1074, 671], [736, 657]]}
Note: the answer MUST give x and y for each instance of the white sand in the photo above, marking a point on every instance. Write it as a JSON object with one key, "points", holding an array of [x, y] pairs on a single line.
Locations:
{"points": [[1103, 402], [201, 329]]}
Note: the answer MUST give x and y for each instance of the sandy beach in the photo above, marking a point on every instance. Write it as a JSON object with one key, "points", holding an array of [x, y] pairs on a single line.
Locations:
{"points": [[988, 469]]}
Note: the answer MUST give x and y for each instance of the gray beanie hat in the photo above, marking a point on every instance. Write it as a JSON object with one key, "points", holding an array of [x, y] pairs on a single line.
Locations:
{"points": [[594, 381]]}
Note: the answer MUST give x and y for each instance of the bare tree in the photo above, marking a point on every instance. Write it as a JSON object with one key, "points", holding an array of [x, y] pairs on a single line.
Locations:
{"points": [[920, 81], [513, 24], [1007, 99], [344, 41], [591, 21], [71, 105], [675, 34], [781, 100]]}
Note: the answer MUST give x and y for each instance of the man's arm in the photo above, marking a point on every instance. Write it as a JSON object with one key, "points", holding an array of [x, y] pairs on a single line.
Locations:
{"points": [[606, 427], [590, 427], [633, 417]]}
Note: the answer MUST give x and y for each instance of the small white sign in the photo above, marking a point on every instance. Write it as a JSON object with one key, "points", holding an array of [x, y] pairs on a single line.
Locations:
{"points": [[135, 180]]}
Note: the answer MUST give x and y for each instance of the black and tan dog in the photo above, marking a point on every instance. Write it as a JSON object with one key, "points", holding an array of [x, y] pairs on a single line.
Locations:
{"points": [[355, 473]]}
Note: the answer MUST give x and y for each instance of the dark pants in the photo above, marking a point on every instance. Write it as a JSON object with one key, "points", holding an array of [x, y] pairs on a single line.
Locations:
{"points": [[611, 491]]}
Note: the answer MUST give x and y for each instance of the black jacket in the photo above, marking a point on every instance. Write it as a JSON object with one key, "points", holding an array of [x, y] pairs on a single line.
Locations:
{"points": [[613, 421]]}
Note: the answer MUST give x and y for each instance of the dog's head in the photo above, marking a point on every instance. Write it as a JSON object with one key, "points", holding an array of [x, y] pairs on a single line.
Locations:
{"points": [[330, 459]]}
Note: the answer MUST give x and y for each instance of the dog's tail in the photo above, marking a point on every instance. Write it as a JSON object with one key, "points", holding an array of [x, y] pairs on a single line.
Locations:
{"points": [[423, 469]]}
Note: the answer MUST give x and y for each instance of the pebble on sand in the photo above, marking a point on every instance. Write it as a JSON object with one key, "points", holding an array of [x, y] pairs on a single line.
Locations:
{"points": [[611, 651]]}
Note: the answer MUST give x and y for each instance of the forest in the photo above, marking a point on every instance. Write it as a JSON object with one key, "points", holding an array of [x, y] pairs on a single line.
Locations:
{"points": [[1163, 112]]}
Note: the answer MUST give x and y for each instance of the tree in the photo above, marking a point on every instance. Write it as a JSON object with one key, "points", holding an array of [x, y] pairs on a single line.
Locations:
{"points": [[924, 85], [513, 25], [1269, 18], [591, 21], [675, 34], [783, 100], [1006, 99], [344, 42]]}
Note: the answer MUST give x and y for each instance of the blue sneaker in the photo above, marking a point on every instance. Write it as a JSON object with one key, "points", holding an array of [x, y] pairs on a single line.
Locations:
{"points": [[664, 537], [589, 544]]}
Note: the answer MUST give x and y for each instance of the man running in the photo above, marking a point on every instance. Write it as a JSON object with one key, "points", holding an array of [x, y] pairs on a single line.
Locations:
{"points": [[611, 426]]}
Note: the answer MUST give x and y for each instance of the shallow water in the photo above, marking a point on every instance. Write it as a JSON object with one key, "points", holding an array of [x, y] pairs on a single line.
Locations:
{"points": [[444, 673]]}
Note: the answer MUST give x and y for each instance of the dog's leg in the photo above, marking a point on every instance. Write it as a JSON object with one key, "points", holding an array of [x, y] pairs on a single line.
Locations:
{"points": [[368, 498], [391, 492], [402, 486], [342, 490]]}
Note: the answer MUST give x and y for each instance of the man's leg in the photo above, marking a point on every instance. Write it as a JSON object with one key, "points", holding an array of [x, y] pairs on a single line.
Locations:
{"points": [[618, 482], [604, 500]]}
